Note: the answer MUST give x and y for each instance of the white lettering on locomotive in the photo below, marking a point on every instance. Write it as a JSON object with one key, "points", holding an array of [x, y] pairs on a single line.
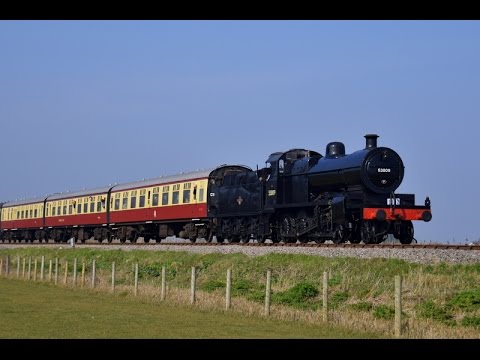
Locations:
{"points": [[383, 170]]}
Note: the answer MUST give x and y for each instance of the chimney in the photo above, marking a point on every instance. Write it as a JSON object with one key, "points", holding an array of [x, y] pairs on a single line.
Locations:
{"points": [[371, 141]]}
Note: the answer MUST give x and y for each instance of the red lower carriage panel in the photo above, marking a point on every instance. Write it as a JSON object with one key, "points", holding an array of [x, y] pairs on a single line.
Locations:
{"points": [[176, 212], [22, 224], [80, 219]]}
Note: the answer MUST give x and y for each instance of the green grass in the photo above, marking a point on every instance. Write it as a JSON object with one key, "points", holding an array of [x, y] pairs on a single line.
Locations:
{"points": [[39, 310], [430, 310], [362, 289]]}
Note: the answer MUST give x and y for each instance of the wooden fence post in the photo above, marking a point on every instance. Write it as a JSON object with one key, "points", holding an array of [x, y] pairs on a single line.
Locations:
{"points": [[398, 306], [29, 268], [23, 269], [192, 286], [1, 265], [113, 277], [66, 273], [50, 263], [35, 270], [75, 272], [7, 266], [268, 292], [325, 296], [162, 294], [136, 279], [42, 268], [18, 266], [228, 294], [56, 271], [83, 274], [93, 274]]}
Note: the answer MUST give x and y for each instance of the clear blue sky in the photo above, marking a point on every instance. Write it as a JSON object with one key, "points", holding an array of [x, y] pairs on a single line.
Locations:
{"points": [[88, 103]]}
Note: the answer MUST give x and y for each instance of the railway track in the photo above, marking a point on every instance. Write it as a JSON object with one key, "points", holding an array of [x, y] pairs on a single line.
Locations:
{"points": [[253, 244]]}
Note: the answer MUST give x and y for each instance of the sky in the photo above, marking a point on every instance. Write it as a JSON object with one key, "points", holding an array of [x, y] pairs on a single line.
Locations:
{"points": [[90, 103]]}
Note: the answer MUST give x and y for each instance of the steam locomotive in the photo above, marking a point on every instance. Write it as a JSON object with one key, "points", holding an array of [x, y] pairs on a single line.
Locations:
{"points": [[299, 195]]}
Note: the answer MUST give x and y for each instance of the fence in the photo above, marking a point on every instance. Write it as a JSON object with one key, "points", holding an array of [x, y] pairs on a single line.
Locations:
{"points": [[99, 281]]}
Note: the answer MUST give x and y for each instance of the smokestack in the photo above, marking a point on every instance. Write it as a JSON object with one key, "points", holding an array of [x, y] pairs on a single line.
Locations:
{"points": [[371, 141]]}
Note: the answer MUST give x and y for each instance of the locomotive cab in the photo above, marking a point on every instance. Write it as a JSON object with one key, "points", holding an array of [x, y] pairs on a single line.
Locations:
{"points": [[284, 186]]}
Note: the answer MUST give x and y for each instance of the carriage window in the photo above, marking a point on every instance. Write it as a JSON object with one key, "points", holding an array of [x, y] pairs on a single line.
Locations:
{"points": [[31, 213], [155, 200], [281, 166], [175, 197], [85, 207], [124, 203], [35, 213], [79, 208], [65, 210], [92, 207], [141, 199], [186, 196], [22, 214], [133, 202], [200, 195], [165, 198], [99, 206], [53, 210], [26, 214], [70, 209], [117, 204]]}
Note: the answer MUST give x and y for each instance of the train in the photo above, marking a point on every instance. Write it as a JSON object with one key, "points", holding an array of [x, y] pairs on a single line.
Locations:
{"points": [[298, 196]]}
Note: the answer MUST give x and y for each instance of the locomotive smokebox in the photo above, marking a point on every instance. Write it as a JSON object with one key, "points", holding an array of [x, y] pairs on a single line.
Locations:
{"points": [[371, 141]]}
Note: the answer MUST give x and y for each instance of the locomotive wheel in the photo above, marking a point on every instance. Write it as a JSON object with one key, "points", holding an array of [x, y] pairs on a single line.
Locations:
{"points": [[209, 236], [261, 239], [368, 232], [355, 239], [406, 233], [340, 235]]}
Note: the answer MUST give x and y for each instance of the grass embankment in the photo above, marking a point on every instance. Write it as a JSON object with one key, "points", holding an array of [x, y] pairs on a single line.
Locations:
{"points": [[439, 301], [33, 310]]}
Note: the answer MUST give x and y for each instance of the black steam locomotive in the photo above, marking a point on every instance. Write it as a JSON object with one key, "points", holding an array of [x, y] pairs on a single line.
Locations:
{"points": [[303, 196]]}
